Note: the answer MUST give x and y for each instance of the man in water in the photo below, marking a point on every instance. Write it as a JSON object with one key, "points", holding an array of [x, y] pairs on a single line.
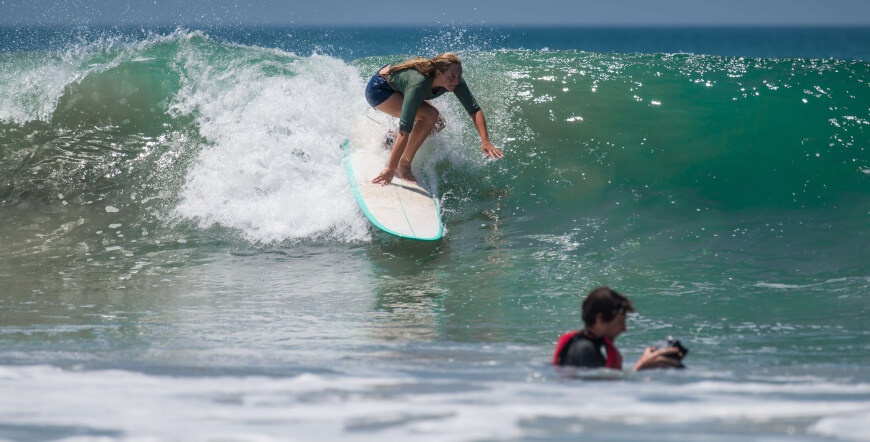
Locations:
{"points": [[604, 312]]}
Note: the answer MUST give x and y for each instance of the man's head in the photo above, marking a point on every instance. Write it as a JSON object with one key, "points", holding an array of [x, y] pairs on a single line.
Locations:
{"points": [[604, 312]]}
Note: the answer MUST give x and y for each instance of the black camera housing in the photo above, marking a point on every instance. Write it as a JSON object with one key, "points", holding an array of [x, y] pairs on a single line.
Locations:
{"points": [[683, 351]]}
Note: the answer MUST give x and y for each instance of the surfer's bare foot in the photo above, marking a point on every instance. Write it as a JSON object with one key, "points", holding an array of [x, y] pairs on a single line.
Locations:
{"points": [[404, 172]]}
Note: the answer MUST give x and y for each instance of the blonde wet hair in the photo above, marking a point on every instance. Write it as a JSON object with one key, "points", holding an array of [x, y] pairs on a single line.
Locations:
{"points": [[427, 66]]}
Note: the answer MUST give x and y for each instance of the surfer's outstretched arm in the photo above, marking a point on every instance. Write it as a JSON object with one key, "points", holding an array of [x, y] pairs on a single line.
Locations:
{"points": [[489, 150]]}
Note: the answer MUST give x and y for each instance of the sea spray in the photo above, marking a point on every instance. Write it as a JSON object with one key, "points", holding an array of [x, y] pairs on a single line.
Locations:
{"points": [[270, 166]]}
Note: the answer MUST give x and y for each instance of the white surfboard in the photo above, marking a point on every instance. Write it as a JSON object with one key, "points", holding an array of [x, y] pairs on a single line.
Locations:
{"points": [[401, 208]]}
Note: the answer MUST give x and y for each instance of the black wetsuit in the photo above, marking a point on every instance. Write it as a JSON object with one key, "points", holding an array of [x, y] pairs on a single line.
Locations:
{"points": [[583, 351]]}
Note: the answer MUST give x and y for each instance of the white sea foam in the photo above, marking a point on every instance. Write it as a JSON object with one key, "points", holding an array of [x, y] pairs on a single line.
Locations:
{"points": [[392, 407], [271, 168], [851, 426], [775, 285]]}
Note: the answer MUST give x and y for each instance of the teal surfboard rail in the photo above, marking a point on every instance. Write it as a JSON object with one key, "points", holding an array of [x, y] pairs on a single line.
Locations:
{"points": [[351, 177]]}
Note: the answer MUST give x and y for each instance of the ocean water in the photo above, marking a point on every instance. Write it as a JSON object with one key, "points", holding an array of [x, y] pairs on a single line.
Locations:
{"points": [[182, 257]]}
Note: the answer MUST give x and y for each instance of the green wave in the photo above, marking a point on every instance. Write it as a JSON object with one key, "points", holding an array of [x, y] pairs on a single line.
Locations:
{"points": [[655, 137]]}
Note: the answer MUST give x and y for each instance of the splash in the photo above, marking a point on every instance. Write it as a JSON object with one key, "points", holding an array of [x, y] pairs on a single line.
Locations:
{"points": [[270, 164]]}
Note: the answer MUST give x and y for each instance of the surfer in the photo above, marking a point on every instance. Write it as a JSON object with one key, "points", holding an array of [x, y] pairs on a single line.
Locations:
{"points": [[401, 90], [604, 312]]}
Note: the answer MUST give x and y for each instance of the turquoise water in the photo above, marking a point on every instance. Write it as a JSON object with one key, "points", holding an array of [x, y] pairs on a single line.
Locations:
{"points": [[183, 258]]}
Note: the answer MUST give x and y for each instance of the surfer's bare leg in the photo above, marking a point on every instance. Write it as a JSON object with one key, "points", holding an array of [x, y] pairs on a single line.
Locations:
{"points": [[425, 122]]}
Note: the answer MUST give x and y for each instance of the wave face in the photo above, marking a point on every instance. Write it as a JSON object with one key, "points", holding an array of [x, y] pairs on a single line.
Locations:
{"points": [[191, 129], [181, 128]]}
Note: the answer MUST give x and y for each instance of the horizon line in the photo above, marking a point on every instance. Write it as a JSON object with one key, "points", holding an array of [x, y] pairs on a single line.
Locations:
{"points": [[183, 24]]}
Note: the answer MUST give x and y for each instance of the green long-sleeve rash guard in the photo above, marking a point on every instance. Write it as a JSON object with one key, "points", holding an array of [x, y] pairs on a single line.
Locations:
{"points": [[417, 87]]}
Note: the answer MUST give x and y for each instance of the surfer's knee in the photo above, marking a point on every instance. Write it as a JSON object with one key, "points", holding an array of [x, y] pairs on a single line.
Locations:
{"points": [[428, 115]]}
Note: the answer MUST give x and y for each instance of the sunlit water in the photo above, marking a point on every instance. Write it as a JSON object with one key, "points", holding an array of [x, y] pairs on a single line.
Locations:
{"points": [[182, 258]]}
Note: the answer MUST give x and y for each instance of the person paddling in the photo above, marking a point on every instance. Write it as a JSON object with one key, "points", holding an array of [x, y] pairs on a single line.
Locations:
{"points": [[402, 91]]}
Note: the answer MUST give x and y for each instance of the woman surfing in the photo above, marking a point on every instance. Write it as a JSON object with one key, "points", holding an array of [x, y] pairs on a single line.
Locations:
{"points": [[402, 90]]}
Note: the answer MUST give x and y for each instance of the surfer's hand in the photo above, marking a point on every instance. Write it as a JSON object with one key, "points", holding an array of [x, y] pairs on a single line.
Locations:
{"points": [[491, 151], [385, 177]]}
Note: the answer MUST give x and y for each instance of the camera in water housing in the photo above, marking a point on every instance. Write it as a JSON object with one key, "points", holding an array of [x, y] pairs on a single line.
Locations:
{"points": [[674, 343]]}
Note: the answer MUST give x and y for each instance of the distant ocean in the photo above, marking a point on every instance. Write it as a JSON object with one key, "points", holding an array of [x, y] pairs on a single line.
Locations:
{"points": [[181, 257]]}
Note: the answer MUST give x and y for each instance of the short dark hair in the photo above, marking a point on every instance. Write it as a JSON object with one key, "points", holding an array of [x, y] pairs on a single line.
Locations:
{"points": [[606, 302]]}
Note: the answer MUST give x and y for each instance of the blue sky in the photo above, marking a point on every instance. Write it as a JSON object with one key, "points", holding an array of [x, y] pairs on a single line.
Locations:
{"points": [[439, 12]]}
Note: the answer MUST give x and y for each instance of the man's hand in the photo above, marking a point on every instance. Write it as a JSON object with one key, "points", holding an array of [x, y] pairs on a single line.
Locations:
{"points": [[654, 358]]}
